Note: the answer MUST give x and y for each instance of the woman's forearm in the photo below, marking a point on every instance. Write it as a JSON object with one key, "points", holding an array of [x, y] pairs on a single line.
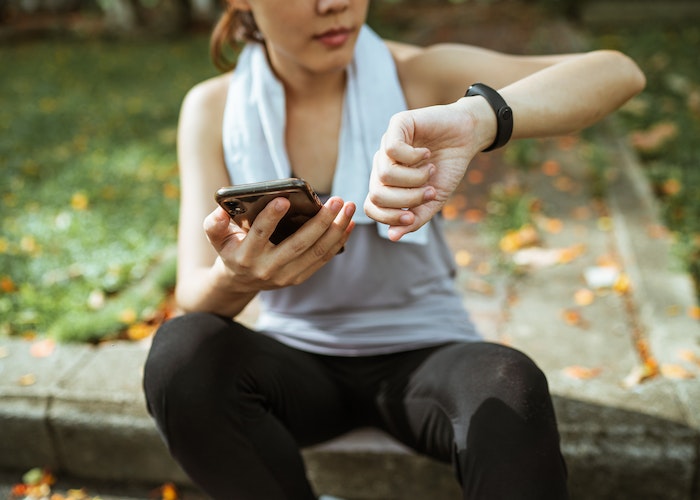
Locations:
{"points": [[573, 94], [206, 290]]}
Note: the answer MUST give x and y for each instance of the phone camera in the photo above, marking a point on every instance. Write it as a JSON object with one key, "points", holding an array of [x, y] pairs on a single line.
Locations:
{"points": [[235, 207]]}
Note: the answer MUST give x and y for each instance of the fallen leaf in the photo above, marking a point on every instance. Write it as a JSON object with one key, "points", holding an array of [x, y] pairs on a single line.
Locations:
{"points": [[475, 176], [553, 226], [694, 312], [622, 284], [169, 492], [654, 138], [27, 380], [519, 238], [581, 372], [689, 356], [574, 317], [450, 212], [639, 374], [7, 285], [564, 184], [584, 297], [42, 348], [676, 372], [463, 258], [140, 331], [474, 215], [551, 168]]}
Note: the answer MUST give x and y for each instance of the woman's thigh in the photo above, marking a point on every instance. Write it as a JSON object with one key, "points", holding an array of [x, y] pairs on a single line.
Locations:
{"points": [[225, 367]]}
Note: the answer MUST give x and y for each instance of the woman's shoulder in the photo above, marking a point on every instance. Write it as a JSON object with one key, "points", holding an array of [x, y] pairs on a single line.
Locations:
{"points": [[210, 92]]}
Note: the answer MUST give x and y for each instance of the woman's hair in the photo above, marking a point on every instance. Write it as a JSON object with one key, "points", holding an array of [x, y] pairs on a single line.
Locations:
{"points": [[233, 28]]}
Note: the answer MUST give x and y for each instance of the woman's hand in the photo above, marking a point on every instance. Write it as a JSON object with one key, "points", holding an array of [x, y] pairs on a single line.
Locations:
{"points": [[423, 157], [248, 262]]}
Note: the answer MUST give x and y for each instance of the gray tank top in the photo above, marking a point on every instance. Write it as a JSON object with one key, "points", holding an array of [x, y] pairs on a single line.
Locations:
{"points": [[376, 297]]}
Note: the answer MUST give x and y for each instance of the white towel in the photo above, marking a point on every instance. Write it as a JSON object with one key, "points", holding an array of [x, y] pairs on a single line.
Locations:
{"points": [[254, 122]]}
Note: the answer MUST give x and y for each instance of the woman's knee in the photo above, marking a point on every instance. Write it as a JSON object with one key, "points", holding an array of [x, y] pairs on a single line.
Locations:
{"points": [[180, 367]]}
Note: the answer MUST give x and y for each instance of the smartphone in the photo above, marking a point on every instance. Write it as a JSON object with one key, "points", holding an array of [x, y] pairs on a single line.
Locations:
{"points": [[244, 202]]}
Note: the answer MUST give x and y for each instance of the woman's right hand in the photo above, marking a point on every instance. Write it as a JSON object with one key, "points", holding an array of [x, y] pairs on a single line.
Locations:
{"points": [[248, 262]]}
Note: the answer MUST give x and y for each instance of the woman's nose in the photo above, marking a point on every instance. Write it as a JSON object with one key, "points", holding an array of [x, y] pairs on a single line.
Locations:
{"points": [[331, 6]]}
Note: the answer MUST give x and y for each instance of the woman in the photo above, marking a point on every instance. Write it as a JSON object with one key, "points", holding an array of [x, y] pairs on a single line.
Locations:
{"points": [[375, 335]]}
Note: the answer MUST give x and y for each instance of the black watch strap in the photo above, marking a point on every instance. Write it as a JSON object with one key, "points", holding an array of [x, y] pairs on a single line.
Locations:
{"points": [[504, 115]]}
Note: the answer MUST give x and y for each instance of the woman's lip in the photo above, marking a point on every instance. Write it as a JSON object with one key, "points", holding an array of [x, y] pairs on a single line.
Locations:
{"points": [[335, 37]]}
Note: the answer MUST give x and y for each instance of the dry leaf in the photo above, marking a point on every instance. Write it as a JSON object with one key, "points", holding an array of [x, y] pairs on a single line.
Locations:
{"points": [[584, 297], [573, 317], [639, 374], [654, 138], [551, 168], [694, 312], [463, 258], [581, 372], [676, 372], [42, 348], [689, 356], [27, 380]]}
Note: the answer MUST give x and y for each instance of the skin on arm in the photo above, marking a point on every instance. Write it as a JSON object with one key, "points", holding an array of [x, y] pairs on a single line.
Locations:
{"points": [[426, 151]]}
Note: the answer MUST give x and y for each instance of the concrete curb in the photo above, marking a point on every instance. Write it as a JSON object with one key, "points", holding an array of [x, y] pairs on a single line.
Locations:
{"points": [[81, 410]]}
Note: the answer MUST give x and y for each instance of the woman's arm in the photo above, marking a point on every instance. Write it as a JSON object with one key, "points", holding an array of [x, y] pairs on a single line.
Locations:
{"points": [[201, 279], [426, 151]]}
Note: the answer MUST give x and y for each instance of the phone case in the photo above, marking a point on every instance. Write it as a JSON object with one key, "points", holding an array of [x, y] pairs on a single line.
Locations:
{"points": [[244, 202]]}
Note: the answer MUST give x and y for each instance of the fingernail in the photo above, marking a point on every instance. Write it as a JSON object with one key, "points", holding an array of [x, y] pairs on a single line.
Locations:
{"points": [[350, 210], [429, 194], [406, 219], [336, 205], [279, 205]]}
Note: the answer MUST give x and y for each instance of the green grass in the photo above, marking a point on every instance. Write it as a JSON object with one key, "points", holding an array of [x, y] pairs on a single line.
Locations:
{"points": [[669, 58], [89, 191]]}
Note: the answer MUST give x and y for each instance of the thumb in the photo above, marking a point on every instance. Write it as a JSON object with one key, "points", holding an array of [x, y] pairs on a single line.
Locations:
{"points": [[217, 226]]}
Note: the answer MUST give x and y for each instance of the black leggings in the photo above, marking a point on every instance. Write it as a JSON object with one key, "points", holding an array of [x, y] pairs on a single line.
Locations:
{"points": [[235, 406]]}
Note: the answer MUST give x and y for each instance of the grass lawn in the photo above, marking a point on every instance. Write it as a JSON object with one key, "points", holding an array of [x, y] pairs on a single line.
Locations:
{"points": [[89, 193]]}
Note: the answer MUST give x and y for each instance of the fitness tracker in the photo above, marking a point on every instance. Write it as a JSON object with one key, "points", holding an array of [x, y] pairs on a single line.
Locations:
{"points": [[504, 115]]}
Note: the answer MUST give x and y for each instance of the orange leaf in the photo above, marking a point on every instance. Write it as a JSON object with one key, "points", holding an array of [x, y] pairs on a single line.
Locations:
{"points": [[584, 297], [581, 372], [463, 258], [475, 176], [42, 348], [676, 372], [551, 168], [574, 318], [694, 312], [169, 492], [140, 331], [450, 212], [7, 285]]}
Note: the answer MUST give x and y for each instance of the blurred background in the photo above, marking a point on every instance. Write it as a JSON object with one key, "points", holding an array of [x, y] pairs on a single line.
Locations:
{"points": [[89, 99]]}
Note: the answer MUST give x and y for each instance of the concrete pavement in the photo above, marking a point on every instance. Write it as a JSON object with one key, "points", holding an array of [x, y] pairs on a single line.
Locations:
{"points": [[81, 412]]}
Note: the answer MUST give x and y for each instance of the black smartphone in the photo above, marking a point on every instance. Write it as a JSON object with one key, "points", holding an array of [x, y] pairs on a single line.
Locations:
{"points": [[244, 202]]}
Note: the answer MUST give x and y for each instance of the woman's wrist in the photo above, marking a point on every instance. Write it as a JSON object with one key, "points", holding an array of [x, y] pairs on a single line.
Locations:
{"points": [[484, 125]]}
